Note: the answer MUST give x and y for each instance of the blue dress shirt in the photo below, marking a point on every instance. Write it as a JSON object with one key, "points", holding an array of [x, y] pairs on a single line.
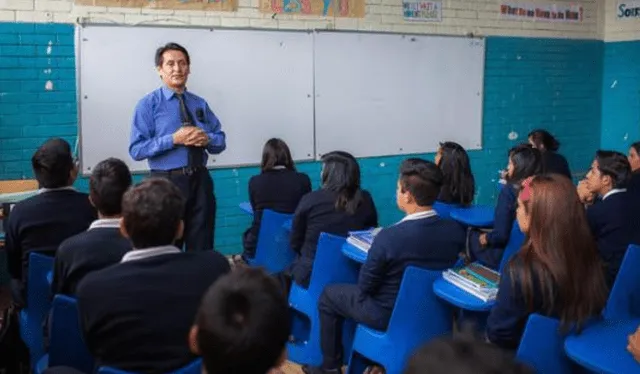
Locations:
{"points": [[157, 117]]}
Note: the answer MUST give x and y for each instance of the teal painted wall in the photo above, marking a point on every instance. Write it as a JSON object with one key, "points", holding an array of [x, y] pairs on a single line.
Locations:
{"points": [[621, 95], [529, 83]]}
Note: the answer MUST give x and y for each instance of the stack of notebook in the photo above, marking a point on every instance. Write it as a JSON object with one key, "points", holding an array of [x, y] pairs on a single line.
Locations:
{"points": [[476, 279], [363, 239]]}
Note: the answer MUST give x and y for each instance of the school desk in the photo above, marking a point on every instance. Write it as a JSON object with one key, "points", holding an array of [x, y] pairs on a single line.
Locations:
{"points": [[602, 348], [477, 216], [354, 253]]}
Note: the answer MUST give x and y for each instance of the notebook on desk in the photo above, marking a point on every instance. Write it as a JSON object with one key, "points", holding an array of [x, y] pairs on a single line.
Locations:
{"points": [[476, 279], [363, 239]]}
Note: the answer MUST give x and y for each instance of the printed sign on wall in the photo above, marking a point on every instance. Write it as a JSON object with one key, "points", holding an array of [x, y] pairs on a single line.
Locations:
{"points": [[325, 8], [417, 10], [628, 9], [543, 12]]}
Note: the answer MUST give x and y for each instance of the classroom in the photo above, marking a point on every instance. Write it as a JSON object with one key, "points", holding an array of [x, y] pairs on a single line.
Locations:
{"points": [[385, 80]]}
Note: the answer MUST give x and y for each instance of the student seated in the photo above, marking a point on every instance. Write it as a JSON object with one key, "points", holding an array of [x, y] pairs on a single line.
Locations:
{"points": [[557, 271], [242, 325], [421, 239], [278, 187], [524, 161], [613, 218], [634, 160], [41, 222], [136, 315], [338, 207], [552, 161], [463, 355], [102, 244], [458, 187]]}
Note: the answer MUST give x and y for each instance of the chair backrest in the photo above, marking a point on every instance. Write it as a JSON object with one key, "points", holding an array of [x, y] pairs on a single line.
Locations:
{"points": [[67, 347], [418, 314], [195, 367], [624, 299], [443, 209], [273, 251], [516, 239], [38, 287], [330, 265], [542, 346]]}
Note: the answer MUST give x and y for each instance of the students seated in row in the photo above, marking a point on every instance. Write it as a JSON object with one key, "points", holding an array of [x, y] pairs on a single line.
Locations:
{"points": [[40, 223], [634, 161], [524, 161], [136, 315], [279, 187], [242, 325], [338, 207], [613, 218], [458, 187], [557, 271], [552, 161], [102, 244], [421, 239]]}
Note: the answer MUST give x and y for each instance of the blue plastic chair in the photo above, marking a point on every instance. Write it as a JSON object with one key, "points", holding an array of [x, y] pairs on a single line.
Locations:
{"points": [[542, 347], [418, 316], [624, 299], [444, 210], [66, 346], [273, 251], [38, 305], [516, 240], [195, 367], [330, 266]]}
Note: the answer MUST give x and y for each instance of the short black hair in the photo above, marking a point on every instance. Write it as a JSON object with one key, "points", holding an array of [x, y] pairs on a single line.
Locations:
{"points": [[109, 181], [52, 163], [423, 179], [276, 153], [543, 139], [151, 213], [159, 59], [463, 355], [615, 165], [527, 162], [243, 323]]}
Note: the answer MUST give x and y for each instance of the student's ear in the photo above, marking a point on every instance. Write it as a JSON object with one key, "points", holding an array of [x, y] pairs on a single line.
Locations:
{"points": [[91, 201], [180, 231], [123, 230], [193, 340]]}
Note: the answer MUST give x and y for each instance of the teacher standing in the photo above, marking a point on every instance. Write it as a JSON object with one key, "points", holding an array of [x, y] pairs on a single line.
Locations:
{"points": [[173, 129]]}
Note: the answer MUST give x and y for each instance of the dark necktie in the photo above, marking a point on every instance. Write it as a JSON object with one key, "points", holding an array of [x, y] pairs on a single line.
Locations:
{"points": [[195, 153]]}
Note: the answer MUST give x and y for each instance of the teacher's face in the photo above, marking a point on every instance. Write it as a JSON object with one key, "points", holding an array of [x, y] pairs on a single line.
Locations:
{"points": [[174, 69]]}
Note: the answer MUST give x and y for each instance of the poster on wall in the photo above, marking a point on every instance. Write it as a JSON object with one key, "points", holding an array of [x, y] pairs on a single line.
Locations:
{"points": [[417, 10], [628, 10], [324, 8], [542, 12], [211, 5]]}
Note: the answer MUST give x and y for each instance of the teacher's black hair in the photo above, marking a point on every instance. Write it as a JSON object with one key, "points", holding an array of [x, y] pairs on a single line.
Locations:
{"points": [[170, 47]]}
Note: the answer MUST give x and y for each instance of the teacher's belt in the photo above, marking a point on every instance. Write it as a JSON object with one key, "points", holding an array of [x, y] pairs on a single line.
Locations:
{"points": [[186, 170]]}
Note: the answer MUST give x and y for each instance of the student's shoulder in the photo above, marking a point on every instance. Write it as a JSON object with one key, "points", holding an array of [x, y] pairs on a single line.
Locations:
{"points": [[98, 282], [74, 243], [208, 259]]}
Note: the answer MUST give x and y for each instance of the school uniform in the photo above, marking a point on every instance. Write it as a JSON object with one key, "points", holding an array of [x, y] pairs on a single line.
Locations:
{"points": [[278, 189], [422, 239], [40, 224], [633, 186], [136, 315], [100, 246], [555, 163], [316, 213], [615, 223], [497, 239]]}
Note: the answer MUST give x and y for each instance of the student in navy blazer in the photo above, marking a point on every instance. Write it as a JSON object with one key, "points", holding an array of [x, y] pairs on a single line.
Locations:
{"points": [[552, 161], [557, 271], [634, 161], [278, 187], [458, 186], [524, 161], [613, 218], [421, 239]]}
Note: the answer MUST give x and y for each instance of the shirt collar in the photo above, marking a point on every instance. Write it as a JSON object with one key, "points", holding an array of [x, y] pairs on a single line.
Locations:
{"points": [[105, 223], [43, 190], [168, 93], [420, 215], [614, 191], [139, 254]]}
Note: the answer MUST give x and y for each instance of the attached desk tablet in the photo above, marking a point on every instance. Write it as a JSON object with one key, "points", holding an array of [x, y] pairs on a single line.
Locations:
{"points": [[476, 216], [246, 207], [354, 253]]}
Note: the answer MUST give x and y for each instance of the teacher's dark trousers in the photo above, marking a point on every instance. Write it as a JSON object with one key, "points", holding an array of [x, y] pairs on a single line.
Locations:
{"points": [[200, 208]]}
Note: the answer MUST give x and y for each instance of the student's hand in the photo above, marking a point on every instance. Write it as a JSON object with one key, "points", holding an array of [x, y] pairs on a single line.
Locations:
{"points": [[585, 195], [185, 134], [633, 345], [483, 240]]}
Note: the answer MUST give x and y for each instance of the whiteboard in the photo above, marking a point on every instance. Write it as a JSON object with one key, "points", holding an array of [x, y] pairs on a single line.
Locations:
{"points": [[259, 83], [388, 94]]}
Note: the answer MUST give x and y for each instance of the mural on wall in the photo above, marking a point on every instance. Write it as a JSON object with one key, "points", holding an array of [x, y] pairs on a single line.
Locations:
{"points": [[543, 12], [211, 5], [628, 9], [327, 8]]}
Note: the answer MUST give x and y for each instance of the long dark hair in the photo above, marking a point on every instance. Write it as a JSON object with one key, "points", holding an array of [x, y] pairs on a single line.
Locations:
{"points": [[527, 162], [458, 182], [276, 153], [559, 256], [341, 174], [544, 141]]}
